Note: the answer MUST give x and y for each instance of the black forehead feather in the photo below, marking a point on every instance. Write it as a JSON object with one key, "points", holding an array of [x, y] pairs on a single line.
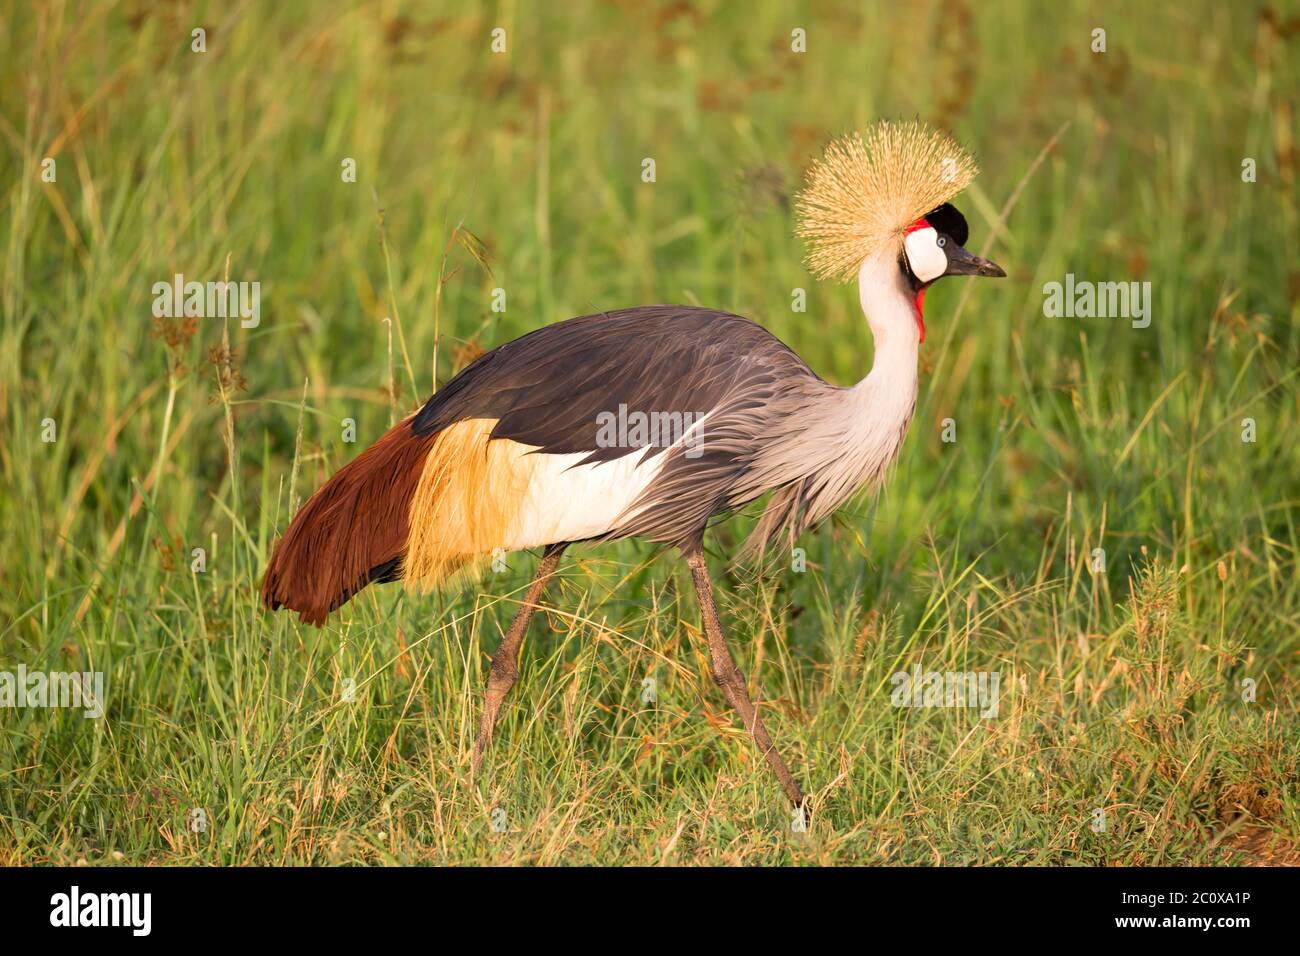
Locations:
{"points": [[948, 220]]}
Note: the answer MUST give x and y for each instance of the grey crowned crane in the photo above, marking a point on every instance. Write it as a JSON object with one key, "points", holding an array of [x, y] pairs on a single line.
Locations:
{"points": [[515, 451]]}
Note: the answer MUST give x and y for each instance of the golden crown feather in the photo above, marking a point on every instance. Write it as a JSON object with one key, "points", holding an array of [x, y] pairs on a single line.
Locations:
{"points": [[865, 192]]}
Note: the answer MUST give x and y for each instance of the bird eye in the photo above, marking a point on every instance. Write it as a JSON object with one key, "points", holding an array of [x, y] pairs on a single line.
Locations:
{"points": [[943, 241]]}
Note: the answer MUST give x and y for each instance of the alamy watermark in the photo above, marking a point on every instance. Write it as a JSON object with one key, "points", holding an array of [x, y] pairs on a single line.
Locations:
{"points": [[133, 911], [1098, 300], [211, 300], [977, 690], [636, 429], [78, 691]]}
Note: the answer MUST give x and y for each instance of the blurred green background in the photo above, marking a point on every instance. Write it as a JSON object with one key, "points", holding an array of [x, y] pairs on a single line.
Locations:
{"points": [[521, 170]]}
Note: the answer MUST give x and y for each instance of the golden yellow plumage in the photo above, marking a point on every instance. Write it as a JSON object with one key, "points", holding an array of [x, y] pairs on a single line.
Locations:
{"points": [[866, 191], [467, 497]]}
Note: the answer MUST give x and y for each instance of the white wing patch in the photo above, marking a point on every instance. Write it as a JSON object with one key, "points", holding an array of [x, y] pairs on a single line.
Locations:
{"points": [[570, 502]]}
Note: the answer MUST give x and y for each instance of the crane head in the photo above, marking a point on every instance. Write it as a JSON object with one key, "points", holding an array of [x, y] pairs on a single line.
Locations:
{"points": [[934, 246], [889, 192]]}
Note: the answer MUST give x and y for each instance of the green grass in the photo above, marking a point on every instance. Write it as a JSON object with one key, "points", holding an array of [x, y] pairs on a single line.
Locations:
{"points": [[1121, 690]]}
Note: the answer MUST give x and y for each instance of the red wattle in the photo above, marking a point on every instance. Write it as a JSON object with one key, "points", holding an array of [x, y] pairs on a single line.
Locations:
{"points": [[920, 296]]}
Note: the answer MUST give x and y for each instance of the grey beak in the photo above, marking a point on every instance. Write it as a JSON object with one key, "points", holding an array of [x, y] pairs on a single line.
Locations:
{"points": [[961, 262]]}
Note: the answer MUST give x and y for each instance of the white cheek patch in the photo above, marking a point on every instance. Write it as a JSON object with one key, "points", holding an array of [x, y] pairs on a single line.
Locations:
{"points": [[924, 254]]}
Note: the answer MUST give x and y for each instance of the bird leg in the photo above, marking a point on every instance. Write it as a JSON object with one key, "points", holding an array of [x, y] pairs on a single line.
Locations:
{"points": [[728, 677], [505, 662]]}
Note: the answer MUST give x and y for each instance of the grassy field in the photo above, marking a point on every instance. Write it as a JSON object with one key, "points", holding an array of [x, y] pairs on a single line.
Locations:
{"points": [[1127, 731]]}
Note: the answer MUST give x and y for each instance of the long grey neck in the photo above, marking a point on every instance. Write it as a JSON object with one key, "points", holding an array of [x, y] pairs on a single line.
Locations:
{"points": [[890, 386], [857, 432], [833, 441]]}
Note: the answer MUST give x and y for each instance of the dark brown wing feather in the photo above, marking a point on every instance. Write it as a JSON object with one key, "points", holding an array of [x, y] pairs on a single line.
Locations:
{"points": [[549, 387]]}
